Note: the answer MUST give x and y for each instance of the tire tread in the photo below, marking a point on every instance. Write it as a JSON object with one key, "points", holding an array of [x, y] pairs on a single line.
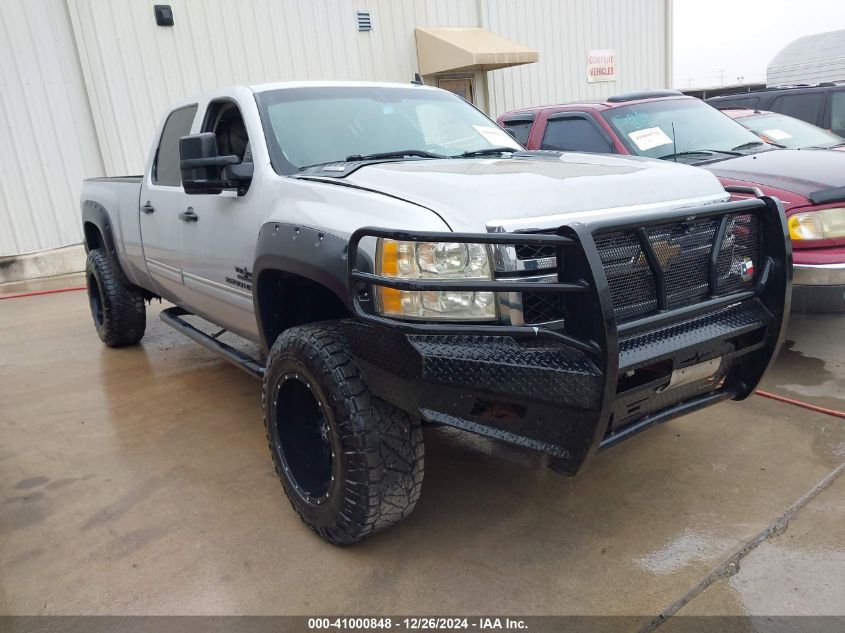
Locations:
{"points": [[124, 311], [383, 445]]}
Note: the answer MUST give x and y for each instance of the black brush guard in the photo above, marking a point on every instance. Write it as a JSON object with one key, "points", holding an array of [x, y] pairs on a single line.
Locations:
{"points": [[586, 382]]}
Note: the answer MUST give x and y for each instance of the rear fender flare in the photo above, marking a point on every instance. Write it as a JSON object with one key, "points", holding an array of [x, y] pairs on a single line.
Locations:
{"points": [[96, 214]]}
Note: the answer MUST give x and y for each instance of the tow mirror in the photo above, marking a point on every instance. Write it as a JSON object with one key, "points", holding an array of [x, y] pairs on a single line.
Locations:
{"points": [[202, 169]]}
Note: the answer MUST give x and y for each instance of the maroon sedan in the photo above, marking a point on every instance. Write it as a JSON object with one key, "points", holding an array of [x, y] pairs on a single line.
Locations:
{"points": [[666, 124]]}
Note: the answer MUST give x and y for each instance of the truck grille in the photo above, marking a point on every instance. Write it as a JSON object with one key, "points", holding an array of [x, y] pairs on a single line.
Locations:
{"points": [[681, 251], [541, 307], [531, 251]]}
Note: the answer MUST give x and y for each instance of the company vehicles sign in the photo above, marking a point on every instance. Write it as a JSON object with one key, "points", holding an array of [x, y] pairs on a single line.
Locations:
{"points": [[601, 65]]}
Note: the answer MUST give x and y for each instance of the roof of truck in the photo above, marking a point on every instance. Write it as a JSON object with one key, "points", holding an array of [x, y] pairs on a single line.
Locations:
{"points": [[280, 85]]}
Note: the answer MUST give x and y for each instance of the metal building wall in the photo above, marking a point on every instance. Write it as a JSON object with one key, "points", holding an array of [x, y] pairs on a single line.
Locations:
{"points": [[83, 83], [48, 138], [563, 31], [135, 69]]}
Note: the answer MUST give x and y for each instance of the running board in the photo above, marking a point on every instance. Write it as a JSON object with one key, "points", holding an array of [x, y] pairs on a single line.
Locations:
{"points": [[173, 318]]}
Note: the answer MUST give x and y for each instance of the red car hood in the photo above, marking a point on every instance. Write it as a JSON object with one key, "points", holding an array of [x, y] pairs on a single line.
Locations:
{"points": [[798, 171]]}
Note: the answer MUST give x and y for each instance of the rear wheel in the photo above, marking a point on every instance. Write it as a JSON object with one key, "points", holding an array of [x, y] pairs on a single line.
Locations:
{"points": [[350, 463], [118, 310]]}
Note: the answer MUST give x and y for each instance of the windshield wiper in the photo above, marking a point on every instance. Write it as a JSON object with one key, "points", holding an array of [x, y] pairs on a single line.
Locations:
{"points": [[749, 145], [489, 151], [826, 145], [402, 153], [701, 152]]}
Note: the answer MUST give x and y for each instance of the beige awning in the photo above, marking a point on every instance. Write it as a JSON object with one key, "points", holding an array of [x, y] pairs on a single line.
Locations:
{"points": [[442, 50]]}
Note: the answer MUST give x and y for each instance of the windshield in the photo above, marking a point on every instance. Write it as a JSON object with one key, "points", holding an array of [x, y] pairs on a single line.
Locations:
{"points": [[646, 129], [311, 126], [788, 131]]}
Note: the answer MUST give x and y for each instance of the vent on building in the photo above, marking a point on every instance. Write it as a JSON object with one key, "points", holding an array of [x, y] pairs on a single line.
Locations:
{"points": [[365, 21]]}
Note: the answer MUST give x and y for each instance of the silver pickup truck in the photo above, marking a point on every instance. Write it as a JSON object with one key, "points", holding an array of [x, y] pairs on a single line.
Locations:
{"points": [[400, 259]]}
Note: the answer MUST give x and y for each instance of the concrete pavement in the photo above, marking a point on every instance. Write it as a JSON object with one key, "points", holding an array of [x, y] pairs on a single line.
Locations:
{"points": [[138, 481]]}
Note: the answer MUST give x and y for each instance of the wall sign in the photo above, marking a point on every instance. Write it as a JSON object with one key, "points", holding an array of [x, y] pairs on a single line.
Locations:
{"points": [[601, 65]]}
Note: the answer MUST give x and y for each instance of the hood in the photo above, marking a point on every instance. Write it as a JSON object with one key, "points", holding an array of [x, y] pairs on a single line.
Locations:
{"points": [[798, 171], [519, 192]]}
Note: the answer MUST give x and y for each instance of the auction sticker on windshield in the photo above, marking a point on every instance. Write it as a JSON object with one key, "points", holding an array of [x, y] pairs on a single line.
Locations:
{"points": [[777, 135], [496, 136], [649, 137]]}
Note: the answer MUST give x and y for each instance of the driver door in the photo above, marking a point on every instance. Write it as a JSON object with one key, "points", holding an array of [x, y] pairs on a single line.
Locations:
{"points": [[219, 233]]}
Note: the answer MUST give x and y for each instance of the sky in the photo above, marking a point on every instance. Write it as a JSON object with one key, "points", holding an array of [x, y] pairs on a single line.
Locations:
{"points": [[740, 37]]}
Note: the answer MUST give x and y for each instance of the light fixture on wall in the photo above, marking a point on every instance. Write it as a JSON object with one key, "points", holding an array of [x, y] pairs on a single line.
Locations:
{"points": [[164, 14], [365, 21]]}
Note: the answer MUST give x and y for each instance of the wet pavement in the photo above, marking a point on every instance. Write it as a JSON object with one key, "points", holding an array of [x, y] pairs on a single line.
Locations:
{"points": [[138, 481]]}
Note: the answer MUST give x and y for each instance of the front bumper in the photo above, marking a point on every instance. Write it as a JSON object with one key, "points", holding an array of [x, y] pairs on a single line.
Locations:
{"points": [[818, 274], [818, 288], [572, 391]]}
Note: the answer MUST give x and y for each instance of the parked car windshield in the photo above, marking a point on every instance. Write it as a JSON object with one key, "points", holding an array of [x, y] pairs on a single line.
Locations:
{"points": [[789, 132], [311, 126], [688, 129]]}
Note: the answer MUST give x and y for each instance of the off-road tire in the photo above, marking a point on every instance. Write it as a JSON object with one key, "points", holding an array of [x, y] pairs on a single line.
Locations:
{"points": [[118, 310], [377, 450]]}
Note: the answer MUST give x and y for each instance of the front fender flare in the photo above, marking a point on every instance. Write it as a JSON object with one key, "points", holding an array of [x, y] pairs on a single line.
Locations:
{"points": [[309, 253]]}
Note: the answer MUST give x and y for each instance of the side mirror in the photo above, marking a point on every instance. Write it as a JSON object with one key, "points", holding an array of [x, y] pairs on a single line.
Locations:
{"points": [[202, 169]]}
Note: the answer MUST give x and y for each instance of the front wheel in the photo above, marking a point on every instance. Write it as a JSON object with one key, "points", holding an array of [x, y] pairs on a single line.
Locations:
{"points": [[350, 463]]}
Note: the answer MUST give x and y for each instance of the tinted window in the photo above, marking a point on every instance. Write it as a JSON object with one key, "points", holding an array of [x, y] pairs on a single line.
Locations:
{"points": [[520, 129], [802, 106], [166, 168], [575, 134], [837, 112], [225, 120]]}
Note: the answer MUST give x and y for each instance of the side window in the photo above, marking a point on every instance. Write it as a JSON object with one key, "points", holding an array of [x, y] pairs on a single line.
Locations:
{"points": [[225, 120], [575, 134], [804, 106], [837, 113], [520, 129], [166, 165]]}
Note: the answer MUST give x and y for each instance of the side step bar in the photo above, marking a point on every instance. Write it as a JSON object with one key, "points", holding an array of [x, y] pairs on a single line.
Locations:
{"points": [[173, 318]]}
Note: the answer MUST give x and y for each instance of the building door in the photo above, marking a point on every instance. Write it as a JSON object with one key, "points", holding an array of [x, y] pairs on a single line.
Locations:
{"points": [[461, 86]]}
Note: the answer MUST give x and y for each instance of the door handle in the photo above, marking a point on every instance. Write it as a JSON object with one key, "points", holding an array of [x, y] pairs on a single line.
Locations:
{"points": [[188, 215], [148, 208]]}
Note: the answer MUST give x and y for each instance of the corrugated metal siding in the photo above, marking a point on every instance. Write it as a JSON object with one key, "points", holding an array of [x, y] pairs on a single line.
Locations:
{"points": [[83, 83], [809, 60], [134, 69], [563, 31], [48, 138]]}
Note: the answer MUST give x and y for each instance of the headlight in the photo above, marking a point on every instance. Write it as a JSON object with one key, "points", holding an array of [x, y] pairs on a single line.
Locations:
{"points": [[825, 224], [434, 260]]}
